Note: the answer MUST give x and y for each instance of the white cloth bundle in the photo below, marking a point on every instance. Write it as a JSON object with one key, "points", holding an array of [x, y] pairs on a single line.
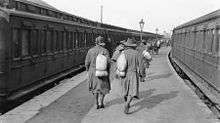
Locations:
{"points": [[121, 64], [101, 65], [147, 55]]}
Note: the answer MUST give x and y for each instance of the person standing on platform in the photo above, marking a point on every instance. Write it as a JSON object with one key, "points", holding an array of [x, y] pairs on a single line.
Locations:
{"points": [[144, 62], [130, 83], [99, 86]]}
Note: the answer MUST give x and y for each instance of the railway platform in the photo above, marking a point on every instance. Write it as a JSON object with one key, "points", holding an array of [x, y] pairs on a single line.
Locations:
{"points": [[164, 98]]}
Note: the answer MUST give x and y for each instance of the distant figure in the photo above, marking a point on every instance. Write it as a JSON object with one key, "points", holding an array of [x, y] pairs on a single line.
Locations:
{"points": [[130, 83], [99, 86], [157, 46]]}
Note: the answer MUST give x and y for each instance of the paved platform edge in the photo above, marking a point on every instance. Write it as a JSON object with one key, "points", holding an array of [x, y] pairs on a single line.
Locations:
{"points": [[32, 107]]}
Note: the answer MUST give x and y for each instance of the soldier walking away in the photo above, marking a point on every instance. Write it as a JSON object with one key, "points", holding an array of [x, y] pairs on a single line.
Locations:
{"points": [[157, 46], [98, 85], [144, 62], [130, 83]]}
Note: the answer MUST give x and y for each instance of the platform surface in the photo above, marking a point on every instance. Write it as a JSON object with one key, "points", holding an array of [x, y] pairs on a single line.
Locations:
{"points": [[164, 98]]}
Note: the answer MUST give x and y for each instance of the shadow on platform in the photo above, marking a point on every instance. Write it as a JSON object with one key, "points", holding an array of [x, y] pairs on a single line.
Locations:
{"points": [[151, 102], [159, 76], [142, 94]]}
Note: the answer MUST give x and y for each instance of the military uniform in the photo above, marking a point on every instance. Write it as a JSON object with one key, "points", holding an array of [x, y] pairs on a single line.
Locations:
{"points": [[130, 84], [96, 84]]}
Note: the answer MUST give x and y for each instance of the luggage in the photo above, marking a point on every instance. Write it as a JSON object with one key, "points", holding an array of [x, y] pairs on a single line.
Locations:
{"points": [[101, 66], [121, 65], [147, 55]]}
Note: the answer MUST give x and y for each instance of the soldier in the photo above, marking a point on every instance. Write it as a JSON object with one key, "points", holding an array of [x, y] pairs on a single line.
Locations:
{"points": [[99, 86], [130, 83], [144, 62]]}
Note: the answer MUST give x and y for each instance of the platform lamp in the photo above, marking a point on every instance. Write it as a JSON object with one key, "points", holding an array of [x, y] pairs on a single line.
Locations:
{"points": [[141, 26]]}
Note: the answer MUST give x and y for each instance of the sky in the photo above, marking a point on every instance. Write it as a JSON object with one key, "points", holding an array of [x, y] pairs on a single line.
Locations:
{"points": [[161, 14]]}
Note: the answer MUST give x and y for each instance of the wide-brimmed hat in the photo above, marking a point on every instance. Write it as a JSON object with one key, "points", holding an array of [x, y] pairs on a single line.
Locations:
{"points": [[130, 42], [100, 41]]}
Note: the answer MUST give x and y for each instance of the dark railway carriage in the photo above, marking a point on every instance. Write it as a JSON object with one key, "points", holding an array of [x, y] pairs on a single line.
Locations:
{"points": [[39, 42], [195, 48]]}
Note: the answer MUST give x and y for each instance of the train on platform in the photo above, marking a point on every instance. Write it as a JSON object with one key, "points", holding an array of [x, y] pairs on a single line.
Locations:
{"points": [[196, 50], [39, 42]]}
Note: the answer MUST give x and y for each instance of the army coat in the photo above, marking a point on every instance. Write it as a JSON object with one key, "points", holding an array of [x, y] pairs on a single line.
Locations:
{"points": [[97, 84], [130, 83]]}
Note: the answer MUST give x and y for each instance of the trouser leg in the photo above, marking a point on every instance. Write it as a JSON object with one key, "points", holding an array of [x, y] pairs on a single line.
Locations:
{"points": [[96, 95], [101, 100], [127, 104]]}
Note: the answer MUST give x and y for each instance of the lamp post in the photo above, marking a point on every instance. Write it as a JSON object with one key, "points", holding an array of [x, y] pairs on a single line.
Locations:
{"points": [[101, 13], [141, 26]]}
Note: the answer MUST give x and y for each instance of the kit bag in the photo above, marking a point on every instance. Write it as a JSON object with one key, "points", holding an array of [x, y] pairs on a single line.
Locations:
{"points": [[101, 66], [121, 65], [147, 55]]}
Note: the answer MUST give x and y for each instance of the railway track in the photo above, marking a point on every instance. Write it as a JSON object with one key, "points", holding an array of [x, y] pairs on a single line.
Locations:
{"points": [[19, 98], [210, 104]]}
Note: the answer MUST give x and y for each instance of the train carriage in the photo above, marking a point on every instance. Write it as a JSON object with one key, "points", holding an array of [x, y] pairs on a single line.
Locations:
{"points": [[39, 42], [195, 48]]}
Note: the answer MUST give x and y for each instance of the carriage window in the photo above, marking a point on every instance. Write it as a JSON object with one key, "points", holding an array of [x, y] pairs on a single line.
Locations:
{"points": [[61, 40], [75, 39], [196, 39], [43, 41], [203, 38], [67, 40], [15, 40], [54, 40], [89, 39], [71, 40], [57, 41], [193, 39], [79, 39], [181, 38], [85, 39], [209, 40], [199, 40], [218, 42], [25, 42], [188, 39], [64, 40], [34, 38], [49, 41]]}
